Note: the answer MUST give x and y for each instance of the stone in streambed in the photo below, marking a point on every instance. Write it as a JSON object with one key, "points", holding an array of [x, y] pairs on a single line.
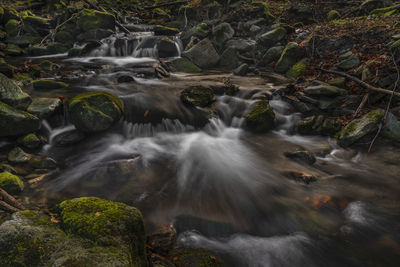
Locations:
{"points": [[261, 118], [44, 108], [272, 37], [14, 122], [198, 96], [321, 89], [30, 141], [301, 156], [11, 183], [297, 69], [167, 48], [90, 19], [17, 155], [190, 257], [242, 70], [95, 111], [6, 69], [12, 94], [182, 65], [203, 54], [301, 177], [42, 163], [290, 55], [69, 137], [48, 85]]}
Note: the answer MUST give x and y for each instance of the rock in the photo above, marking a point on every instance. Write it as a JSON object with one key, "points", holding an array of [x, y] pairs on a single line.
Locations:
{"points": [[333, 14], [7, 168], [29, 141], [48, 85], [90, 19], [14, 122], [369, 5], [68, 138], [46, 65], [349, 63], [92, 35], [359, 128], [261, 118], [200, 31], [163, 30], [198, 96], [297, 69], [42, 163], [203, 54], [167, 48], [182, 65], [106, 223], [17, 155], [321, 89], [270, 38], [162, 240], [301, 13], [242, 70], [301, 156], [338, 82], [290, 55], [188, 257], [95, 111], [222, 33], [64, 37], [306, 126], [13, 50], [272, 54], [11, 27], [6, 69], [229, 58], [24, 40], [329, 127], [44, 108], [125, 79], [301, 177], [242, 45], [392, 127], [11, 183], [12, 94]]}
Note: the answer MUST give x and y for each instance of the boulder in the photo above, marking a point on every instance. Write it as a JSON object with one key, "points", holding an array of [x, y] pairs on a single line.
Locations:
{"points": [[203, 54], [42, 163], [242, 70], [182, 65], [11, 183], [273, 54], [333, 14], [189, 257], [199, 31], [229, 58], [290, 55], [272, 37], [301, 13], [12, 94], [48, 85], [29, 141], [392, 127], [359, 128], [297, 69], [198, 96], [11, 27], [301, 156], [242, 45], [14, 122], [95, 111], [321, 89], [44, 108], [6, 68], [222, 33], [261, 118], [167, 48], [69, 137], [17, 155], [90, 19], [13, 50], [164, 30]]}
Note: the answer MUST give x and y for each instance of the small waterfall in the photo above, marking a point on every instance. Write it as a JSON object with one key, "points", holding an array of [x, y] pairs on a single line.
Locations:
{"points": [[131, 130]]}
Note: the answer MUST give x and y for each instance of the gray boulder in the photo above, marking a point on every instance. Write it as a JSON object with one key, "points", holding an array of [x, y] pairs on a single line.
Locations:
{"points": [[203, 54], [14, 122], [12, 94], [290, 55], [272, 37], [222, 33]]}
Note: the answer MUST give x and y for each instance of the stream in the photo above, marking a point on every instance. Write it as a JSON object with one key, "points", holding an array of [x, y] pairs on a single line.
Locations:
{"points": [[224, 189]]}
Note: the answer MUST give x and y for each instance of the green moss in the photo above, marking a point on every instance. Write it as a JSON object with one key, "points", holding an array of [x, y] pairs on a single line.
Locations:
{"points": [[395, 44], [96, 98], [261, 117], [375, 116], [198, 96], [339, 82], [30, 141], [288, 58], [333, 14], [11, 183], [188, 257], [11, 27], [164, 30], [297, 69], [48, 85], [89, 19], [384, 10], [46, 65]]}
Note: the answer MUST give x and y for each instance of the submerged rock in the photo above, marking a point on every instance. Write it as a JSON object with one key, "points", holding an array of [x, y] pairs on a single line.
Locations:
{"points": [[203, 54], [95, 111], [261, 118], [198, 96], [14, 122], [11, 183], [12, 94]]}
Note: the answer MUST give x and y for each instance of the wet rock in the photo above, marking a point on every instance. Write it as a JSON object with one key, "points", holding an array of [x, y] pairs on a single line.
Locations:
{"points": [[29, 141], [306, 126], [272, 37], [297, 69], [11, 183], [167, 48], [329, 127], [125, 79], [6, 68], [200, 31], [349, 63], [7, 168], [68, 138], [222, 33], [333, 14], [198, 96], [14, 122], [229, 58], [359, 128], [17, 155], [290, 55], [338, 82], [95, 111], [12, 94], [301, 13], [321, 89], [162, 240], [188, 257], [182, 65], [90, 19], [392, 127], [42, 163], [48, 85], [44, 108], [164, 30], [242, 70], [203, 54], [261, 118], [242, 45], [272, 54], [301, 156], [301, 177]]}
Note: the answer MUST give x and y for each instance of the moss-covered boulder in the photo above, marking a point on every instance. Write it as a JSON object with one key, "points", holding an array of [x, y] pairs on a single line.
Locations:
{"points": [[90, 19], [306, 126], [6, 69], [261, 118], [106, 223], [48, 85], [229, 59], [203, 54], [338, 82], [30, 141], [17, 155], [189, 257], [11, 183], [95, 111], [297, 69], [200, 96], [11, 27], [164, 30], [321, 89], [14, 122], [359, 128], [272, 54], [12, 94], [37, 162], [333, 14], [290, 55], [44, 108], [222, 33], [182, 65], [272, 37]]}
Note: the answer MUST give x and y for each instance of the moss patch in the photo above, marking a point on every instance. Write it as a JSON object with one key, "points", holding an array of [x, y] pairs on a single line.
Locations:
{"points": [[261, 118], [11, 183]]}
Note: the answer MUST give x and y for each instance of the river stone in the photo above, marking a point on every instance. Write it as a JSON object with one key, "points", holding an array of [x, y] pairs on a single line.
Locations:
{"points": [[198, 96], [272, 37], [222, 33], [12, 94], [90, 19], [329, 127], [6, 69], [229, 58], [242, 45], [349, 63], [95, 111], [31, 238], [200, 31], [42, 163], [321, 89], [301, 156], [182, 65], [261, 118], [44, 108], [392, 127], [24, 40], [203, 54], [14, 122], [167, 48], [48, 85], [359, 128], [106, 223], [17, 155], [272, 54], [189, 257], [69, 137], [30, 141], [242, 70], [290, 55], [11, 183]]}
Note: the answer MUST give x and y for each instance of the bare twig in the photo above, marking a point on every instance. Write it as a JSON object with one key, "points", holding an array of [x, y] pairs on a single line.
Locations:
{"points": [[10, 200], [362, 104], [58, 27]]}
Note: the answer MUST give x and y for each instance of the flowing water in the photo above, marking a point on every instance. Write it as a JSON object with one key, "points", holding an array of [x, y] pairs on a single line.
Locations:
{"points": [[224, 188]]}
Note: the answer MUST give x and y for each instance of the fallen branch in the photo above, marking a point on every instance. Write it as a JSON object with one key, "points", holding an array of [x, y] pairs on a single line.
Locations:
{"points": [[58, 27], [362, 83], [7, 207], [10, 200], [362, 104]]}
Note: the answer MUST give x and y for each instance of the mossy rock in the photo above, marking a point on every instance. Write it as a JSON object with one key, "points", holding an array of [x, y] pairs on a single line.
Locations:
{"points": [[333, 14], [201, 31], [229, 58], [11, 183], [95, 111], [36, 21], [64, 37], [12, 94], [183, 65], [290, 55], [107, 223], [203, 54], [47, 163], [13, 50], [17, 155], [272, 37], [272, 54], [338, 82], [321, 89], [261, 118], [47, 85], [7, 168], [359, 128], [306, 126], [222, 33], [11, 27], [30, 141], [14, 122], [164, 30], [90, 19], [297, 69], [46, 65], [200, 96], [189, 257]]}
